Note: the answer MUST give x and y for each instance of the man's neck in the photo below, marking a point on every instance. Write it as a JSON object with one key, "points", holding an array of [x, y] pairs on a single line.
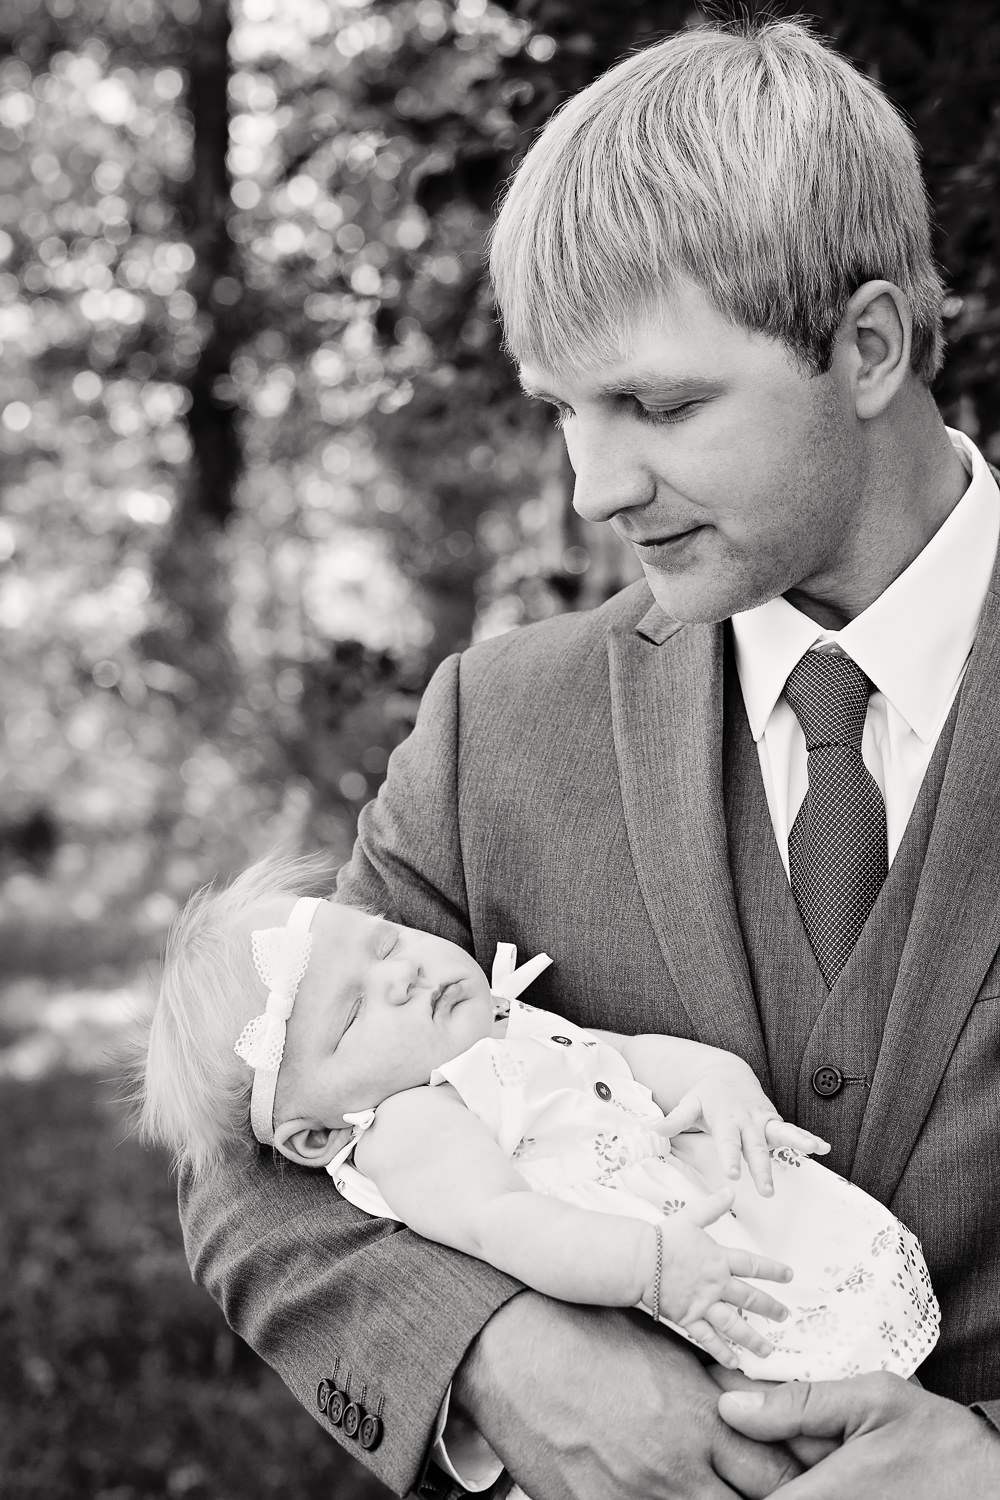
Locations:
{"points": [[916, 480]]}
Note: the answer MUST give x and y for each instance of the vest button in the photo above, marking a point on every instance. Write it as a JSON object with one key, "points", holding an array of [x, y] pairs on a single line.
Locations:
{"points": [[827, 1081]]}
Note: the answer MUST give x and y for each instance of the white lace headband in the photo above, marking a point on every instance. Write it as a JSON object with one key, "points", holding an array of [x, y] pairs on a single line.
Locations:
{"points": [[280, 956]]}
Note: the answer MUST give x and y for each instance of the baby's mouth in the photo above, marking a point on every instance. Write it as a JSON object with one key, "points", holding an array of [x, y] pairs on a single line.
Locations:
{"points": [[442, 992]]}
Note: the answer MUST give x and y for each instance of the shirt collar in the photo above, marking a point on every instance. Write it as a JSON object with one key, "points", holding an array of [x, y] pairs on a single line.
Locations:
{"points": [[913, 640]]}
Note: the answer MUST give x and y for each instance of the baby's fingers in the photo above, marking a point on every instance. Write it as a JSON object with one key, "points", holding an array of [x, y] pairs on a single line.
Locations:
{"points": [[758, 1158], [685, 1115], [707, 1338], [725, 1321], [780, 1133], [754, 1299], [706, 1210], [759, 1267]]}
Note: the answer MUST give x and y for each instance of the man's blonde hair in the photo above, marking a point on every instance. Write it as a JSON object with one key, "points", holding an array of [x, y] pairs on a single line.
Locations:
{"points": [[753, 160], [194, 1092]]}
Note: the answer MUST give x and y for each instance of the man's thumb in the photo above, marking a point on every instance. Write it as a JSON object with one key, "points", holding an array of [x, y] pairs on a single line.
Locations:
{"points": [[787, 1411]]}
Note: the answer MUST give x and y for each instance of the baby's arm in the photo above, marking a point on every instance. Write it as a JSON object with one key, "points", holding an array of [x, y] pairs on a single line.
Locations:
{"points": [[441, 1171], [704, 1088]]}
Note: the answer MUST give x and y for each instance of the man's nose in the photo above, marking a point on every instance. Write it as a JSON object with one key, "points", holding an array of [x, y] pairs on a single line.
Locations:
{"points": [[611, 476]]}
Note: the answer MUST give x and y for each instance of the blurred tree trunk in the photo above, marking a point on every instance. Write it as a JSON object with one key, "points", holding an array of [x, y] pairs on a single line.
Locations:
{"points": [[191, 577]]}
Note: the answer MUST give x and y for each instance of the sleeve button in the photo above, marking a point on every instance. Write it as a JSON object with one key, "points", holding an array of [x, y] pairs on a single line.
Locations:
{"points": [[323, 1393], [564, 1041], [370, 1432], [335, 1407], [353, 1417], [602, 1091]]}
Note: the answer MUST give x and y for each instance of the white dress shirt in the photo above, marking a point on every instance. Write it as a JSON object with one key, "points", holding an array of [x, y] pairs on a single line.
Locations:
{"points": [[913, 642]]}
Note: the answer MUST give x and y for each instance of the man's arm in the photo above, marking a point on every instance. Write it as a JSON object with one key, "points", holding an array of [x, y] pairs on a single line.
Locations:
{"points": [[308, 1280], [583, 1403], [322, 1291]]}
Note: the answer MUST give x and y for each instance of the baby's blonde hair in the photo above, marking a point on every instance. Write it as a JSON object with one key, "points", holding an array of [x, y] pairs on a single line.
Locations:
{"points": [[194, 1092], [751, 159]]}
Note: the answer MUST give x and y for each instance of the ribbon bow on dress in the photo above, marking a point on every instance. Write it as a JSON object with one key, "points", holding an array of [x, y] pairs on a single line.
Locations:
{"points": [[507, 981]]}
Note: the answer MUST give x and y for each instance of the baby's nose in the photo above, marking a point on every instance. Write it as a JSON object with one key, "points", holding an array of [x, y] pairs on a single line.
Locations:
{"points": [[400, 978]]}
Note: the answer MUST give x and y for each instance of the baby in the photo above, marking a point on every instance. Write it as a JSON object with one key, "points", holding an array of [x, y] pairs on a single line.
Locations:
{"points": [[593, 1167]]}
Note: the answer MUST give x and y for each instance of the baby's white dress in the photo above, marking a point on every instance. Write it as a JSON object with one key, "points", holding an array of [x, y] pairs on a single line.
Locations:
{"points": [[563, 1105]]}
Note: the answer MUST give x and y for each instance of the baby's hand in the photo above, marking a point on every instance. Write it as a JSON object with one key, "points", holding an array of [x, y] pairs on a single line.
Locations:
{"points": [[731, 1106], [699, 1285]]}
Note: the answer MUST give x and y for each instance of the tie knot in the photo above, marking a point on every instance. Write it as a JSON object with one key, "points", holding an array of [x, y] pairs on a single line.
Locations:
{"points": [[828, 693]]}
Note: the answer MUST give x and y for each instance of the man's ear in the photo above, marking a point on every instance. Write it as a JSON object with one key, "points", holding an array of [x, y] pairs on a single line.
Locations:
{"points": [[876, 333], [309, 1144]]}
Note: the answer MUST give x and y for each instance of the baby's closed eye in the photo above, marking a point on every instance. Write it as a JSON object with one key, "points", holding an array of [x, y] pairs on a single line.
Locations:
{"points": [[388, 939]]}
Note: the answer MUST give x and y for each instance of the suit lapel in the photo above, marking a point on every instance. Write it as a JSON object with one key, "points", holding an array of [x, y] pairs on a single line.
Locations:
{"points": [[667, 705], [954, 931]]}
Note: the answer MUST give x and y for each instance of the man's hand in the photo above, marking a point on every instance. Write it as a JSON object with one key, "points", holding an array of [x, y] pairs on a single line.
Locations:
{"points": [[898, 1441], [583, 1403]]}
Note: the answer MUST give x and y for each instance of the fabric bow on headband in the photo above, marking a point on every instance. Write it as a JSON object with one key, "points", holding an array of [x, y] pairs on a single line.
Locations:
{"points": [[280, 956]]}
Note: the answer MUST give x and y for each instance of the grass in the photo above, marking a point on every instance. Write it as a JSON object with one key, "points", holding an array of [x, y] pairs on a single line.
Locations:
{"points": [[118, 1378]]}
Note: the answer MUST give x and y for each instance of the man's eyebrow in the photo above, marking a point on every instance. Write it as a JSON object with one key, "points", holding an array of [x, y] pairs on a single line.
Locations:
{"points": [[649, 383], [641, 383]]}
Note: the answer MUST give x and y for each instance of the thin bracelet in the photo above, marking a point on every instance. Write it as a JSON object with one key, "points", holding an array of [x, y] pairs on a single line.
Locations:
{"points": [[658, 1273]]}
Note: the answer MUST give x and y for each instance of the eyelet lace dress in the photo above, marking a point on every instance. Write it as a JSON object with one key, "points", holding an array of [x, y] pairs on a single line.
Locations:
{"points": [[563, 1105]]}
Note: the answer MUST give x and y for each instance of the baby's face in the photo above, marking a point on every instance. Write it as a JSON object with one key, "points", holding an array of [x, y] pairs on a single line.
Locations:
{"points": [[379, 1008]]}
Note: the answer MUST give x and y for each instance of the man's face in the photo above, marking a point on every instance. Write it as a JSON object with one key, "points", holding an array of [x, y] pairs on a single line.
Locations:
{"points": [[735, 474]]}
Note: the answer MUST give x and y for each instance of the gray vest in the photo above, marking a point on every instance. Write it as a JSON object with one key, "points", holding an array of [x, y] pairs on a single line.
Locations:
{"points": [[822, 1045]]}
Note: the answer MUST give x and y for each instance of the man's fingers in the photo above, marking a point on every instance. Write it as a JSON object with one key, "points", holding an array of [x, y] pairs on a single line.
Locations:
{"points": [[822, 1408], [807, 1450]]}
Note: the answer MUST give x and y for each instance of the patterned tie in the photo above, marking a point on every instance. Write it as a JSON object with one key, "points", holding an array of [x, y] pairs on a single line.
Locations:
{"points": [[837, 850]]}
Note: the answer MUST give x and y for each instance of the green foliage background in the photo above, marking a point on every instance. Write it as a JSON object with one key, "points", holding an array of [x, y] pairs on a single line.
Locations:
{"points": [[263, 466]]}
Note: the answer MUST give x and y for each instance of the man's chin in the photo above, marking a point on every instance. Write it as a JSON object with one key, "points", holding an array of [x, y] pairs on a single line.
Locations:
{"points": [[699, 601]]}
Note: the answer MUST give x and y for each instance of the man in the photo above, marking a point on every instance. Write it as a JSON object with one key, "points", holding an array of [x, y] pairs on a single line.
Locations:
{"points": [[777, 834]]}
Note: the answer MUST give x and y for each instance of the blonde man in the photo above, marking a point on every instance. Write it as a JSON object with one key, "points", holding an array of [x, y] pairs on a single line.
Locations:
{"points": [[754, 799]]}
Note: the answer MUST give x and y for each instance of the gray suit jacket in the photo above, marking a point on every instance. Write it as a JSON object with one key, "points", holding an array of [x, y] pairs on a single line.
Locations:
{"points": [[562, 790]]}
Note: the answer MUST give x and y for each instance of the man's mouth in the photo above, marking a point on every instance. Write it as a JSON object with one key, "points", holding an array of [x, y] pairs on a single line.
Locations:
{"points": [[645, 543], [656, 549]]}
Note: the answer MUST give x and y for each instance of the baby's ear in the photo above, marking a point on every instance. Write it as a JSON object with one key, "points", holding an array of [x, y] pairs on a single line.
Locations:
{"points": [[308, 1144]]}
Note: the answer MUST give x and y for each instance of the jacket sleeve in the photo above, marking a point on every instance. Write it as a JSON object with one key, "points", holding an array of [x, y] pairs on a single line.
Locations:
{"points": [[991, 1411], [318, 1289]]}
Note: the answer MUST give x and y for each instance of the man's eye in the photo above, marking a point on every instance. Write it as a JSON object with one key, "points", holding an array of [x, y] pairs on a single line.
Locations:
{"points": [[352, 1015], [563, 414], [664, 415]]}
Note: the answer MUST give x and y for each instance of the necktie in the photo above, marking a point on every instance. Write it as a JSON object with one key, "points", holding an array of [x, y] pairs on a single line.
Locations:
{"points": [[837, 851]]}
